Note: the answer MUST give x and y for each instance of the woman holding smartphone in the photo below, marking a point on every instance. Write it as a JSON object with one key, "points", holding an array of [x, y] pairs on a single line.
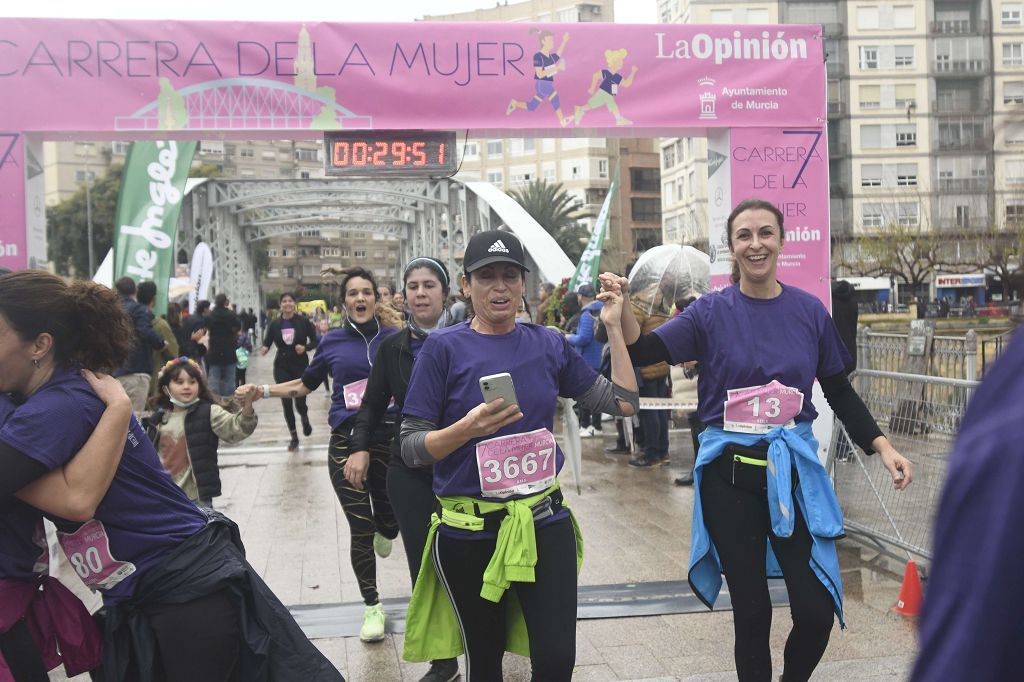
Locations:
{"points": [[500, 566]]}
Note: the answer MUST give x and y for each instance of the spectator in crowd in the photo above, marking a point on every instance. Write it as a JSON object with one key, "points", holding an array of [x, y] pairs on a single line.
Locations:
{"points": [[221, 359], [146, 295], [195, 327], [844, 314], [457, 307], [135, 374], [590, 348]]}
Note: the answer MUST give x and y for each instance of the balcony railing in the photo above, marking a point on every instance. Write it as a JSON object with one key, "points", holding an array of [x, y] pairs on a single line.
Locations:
{"points": [[836, 108], [835, 69], [833, 30], [960, 66], [960, 107], [953, 185], [967, 144], [959, 27]]}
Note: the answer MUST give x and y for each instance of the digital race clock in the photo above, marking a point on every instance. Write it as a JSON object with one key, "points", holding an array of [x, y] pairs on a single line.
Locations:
{"points": [[367, 153]]}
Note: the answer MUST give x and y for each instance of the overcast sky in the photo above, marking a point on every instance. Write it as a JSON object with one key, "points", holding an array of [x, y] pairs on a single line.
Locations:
{"points": [[626, 11]]}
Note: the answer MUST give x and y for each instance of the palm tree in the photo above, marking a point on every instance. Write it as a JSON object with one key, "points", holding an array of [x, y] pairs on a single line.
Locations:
{"points": [[550, 205]]}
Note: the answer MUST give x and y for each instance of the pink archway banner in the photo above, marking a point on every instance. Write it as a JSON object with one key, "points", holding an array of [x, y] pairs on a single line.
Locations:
{"points": [[133, 79]]}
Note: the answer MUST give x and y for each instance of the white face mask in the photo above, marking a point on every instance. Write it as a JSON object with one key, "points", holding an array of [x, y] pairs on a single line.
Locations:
{"points": [[178, 403]]}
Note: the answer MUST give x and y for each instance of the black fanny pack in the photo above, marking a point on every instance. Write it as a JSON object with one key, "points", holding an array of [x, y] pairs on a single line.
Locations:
{"points": [[745, 466]]}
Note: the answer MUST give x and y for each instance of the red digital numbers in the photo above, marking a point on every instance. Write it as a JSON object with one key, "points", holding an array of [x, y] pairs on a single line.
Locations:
{"points": [[396, 152]]}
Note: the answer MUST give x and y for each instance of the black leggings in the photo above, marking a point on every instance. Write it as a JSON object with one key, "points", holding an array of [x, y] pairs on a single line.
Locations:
{"points": [[22, 655], [367, 510], [738, 521], [412, 500], [549, 604], [198, 640], [281, 375]]}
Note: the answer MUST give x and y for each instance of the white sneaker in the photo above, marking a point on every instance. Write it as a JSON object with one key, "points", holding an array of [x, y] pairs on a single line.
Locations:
{"points": [[586, 432], [382, 546], [373, 624]]}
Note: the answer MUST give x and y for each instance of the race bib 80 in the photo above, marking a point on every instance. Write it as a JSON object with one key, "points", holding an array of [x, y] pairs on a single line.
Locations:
{"points": [[519, 464], [88, 550], [759, 409]]}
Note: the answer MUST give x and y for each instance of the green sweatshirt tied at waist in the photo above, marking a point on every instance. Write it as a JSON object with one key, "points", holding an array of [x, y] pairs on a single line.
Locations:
{"points": [[432, 630]]}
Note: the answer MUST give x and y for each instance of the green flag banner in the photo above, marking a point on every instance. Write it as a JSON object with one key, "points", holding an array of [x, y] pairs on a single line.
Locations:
{"points": [[152, 188], [590, 262]]}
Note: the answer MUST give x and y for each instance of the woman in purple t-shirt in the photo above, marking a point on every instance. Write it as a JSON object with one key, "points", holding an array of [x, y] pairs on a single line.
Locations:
{"points": [[157, 559], [503, 535], [761, 345], [346, 356]]}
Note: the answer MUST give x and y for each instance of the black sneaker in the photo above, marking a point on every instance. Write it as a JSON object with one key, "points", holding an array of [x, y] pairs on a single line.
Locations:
{"points": [[294, 444], [684, 480], [442, 670], [307, 428], [617, 451], [640, 461]]}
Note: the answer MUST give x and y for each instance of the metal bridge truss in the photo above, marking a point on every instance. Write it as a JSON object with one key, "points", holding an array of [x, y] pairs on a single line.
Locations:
{"points": [[430, 217]]}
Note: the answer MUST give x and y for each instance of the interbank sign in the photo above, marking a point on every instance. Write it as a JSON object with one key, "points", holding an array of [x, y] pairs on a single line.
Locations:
{"points": [[959, 281]]}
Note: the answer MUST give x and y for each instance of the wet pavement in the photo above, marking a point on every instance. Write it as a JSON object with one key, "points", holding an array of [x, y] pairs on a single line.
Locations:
{"points": [[635, 523]]}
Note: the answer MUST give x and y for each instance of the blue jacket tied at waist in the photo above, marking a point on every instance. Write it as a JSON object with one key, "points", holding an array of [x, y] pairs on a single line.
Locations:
{"points": [[788, 449]]}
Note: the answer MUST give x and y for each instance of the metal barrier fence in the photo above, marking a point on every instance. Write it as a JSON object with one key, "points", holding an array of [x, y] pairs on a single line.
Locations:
{"points": [[921, 416], [954, 357], [992, 348]]}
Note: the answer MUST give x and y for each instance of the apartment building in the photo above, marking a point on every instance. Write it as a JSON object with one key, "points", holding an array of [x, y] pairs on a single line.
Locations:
{"points": [[585, 166], [925, 125]]}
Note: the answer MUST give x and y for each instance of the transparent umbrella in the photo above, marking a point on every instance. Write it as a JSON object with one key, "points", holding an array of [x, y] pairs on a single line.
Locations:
{"points": [[665, 274]]}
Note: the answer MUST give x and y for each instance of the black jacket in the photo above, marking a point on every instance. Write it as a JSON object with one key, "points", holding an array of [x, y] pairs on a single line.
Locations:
{"points": [[202, 445], [224, 327], [212, 560], [146, 339], [389, 377], [844, 313], [287, 360]]}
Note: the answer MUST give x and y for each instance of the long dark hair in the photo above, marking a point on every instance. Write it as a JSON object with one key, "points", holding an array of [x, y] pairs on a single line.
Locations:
{"points": [[173, 369], [88, 325], [752, 204]]}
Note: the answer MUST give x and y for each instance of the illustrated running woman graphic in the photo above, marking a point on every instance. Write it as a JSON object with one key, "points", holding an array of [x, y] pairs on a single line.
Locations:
{"points": [[604, 95], [546, 64]]}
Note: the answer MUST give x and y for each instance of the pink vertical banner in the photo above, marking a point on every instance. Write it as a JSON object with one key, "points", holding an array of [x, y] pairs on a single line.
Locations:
{"points": [[13, 247], [789, 167]]}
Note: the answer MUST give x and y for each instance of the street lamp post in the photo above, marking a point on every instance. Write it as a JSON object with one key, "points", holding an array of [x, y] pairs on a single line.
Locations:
{"points": [[88, 211]]}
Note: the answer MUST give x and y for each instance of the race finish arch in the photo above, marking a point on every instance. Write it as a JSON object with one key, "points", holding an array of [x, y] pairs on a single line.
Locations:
{"points": [[757, 92]]}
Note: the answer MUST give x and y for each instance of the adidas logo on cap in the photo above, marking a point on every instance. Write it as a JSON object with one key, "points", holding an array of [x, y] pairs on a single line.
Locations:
{"points": [[498, 246]]}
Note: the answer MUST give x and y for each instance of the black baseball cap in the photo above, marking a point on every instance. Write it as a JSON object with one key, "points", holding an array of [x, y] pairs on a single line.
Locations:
{"points": [[493, 246]]}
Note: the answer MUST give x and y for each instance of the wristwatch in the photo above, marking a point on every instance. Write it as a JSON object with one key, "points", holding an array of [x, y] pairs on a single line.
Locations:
{"points": [[266, 390]]}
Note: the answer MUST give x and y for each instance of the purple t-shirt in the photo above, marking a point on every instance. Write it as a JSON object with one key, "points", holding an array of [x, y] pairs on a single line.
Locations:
{"points": [[347, 356], [19, 551], [610, 81], [445, 386], [144, 513], [971, 626], [742, 341], [20, 529], [543, 61]]}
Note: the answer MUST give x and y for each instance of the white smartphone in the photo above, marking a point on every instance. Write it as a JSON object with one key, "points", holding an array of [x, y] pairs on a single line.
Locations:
{"points": [[497, 386]]}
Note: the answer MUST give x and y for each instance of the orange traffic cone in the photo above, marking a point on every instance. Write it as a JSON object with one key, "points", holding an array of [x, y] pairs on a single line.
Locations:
{"points": [[909, 603]]}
